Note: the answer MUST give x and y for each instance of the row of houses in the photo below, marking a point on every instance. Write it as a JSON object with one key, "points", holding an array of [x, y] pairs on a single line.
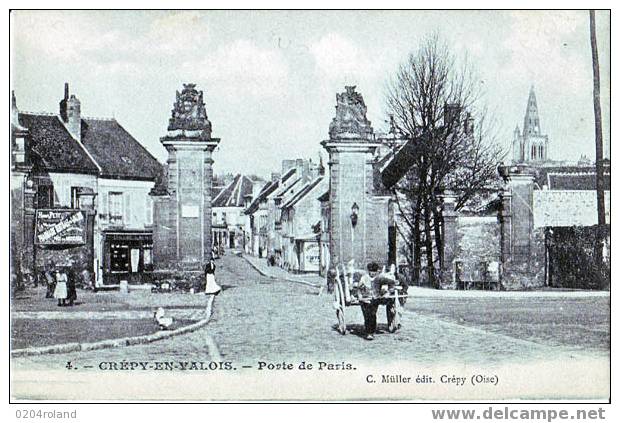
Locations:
{"points": [[284, 218]]}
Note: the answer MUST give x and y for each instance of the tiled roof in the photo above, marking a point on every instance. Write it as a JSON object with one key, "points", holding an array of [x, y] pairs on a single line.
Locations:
{"points": [[233, 195], [287, 188], [580, 182], [161, 183], [119, 154], [106, 149], [288, 174], [267, 189], [302, 193], [400, 163], [52, 148], [580, 178]]}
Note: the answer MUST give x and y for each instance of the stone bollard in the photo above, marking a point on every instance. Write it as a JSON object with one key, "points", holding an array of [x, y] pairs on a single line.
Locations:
{"points": [[124, 287]]}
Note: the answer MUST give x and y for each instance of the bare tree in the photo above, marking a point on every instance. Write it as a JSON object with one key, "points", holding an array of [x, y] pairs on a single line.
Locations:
{"points": [[435, 103]]}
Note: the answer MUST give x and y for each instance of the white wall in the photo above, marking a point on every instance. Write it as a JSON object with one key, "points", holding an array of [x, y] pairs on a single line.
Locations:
{"points": [[63, 182], [137, 204], [567, 208]]}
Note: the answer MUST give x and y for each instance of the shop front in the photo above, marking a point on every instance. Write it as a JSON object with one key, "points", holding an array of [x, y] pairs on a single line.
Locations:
{"points": [[308, 254], [127, 256]]}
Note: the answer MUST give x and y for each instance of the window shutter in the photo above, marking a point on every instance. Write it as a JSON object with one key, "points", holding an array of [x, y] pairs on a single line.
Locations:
{"points": [[149, 210], [103, 205], [127, 210]]}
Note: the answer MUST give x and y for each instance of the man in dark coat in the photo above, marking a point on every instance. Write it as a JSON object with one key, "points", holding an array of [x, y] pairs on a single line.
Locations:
{"points": [[71, 292]]}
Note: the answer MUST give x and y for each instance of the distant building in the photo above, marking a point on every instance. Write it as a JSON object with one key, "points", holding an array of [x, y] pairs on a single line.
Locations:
{"points": [[229, 223], [300, 223], [265, 210], [530, 146]]}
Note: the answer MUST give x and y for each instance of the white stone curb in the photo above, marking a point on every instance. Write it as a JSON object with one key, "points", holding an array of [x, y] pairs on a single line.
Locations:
{"points": [[114, 343]]}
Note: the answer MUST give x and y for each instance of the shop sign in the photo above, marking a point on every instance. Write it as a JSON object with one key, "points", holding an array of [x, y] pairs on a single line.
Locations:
{"points": [[60, 227], [312, 256]]}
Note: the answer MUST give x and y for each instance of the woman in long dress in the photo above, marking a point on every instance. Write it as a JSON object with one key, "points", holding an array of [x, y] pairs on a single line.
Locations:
{"points": [[60, 292], [211, 287]]}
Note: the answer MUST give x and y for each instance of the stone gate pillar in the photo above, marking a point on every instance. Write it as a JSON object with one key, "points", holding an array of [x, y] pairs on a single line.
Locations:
{"points": [[505, 222], [450, 240], [356, 224], [182, 232], [522, 252], [517, 214]]}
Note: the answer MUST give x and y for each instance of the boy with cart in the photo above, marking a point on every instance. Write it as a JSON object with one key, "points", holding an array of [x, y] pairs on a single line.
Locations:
{"points": [[370, 306], [369, 290]]}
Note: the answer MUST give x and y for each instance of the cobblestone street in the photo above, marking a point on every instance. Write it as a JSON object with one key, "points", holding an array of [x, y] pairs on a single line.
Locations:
{"points": [[257, 318]]}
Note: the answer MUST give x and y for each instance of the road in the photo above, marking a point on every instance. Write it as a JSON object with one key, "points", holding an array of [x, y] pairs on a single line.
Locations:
{"points": [[256, 318]]}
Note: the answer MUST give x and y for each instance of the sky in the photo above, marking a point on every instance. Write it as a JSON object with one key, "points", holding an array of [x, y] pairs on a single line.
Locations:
{"points": [[270, 78]]}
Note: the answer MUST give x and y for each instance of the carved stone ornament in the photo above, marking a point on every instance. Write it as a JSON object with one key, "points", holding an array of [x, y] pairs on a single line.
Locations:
{"points": [[189, 116], [350, 121]]}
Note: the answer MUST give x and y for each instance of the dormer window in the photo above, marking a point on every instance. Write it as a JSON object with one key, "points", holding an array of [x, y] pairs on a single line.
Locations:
{"points": [[126, 159]]}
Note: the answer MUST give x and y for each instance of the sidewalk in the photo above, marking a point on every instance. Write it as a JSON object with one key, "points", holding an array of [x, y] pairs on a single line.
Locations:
{"points": [[415, 291], [260, 264]]}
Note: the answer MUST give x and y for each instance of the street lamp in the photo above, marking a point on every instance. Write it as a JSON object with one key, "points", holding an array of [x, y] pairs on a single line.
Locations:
{"points": [[354, 211]]}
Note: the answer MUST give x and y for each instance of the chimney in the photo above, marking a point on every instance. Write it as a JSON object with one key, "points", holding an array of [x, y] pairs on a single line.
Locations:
{"points": [[299, 167], [287, 165], [306, 169], [70, 114], [275, 176], [14, 111]]}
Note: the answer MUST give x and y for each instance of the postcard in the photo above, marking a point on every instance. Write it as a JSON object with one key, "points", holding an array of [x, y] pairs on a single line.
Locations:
{"points": [[310, 205]]}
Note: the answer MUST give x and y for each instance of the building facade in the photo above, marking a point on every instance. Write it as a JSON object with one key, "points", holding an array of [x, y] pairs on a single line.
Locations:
{"points": [[82, 188], [300, 220], [230, 224]]}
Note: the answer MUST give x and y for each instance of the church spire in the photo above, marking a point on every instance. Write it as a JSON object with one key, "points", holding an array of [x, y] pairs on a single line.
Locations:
{"points": [[531, 124]]}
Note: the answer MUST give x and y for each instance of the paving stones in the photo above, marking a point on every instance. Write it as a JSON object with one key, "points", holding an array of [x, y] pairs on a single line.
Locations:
{"points": [[280, 320]]}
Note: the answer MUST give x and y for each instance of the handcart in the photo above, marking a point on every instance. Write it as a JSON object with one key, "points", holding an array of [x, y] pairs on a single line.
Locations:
{"points": [[351, 288]]}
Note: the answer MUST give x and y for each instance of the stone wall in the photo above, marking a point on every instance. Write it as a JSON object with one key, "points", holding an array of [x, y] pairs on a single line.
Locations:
{"points": [[377, 223], [520, 273], [351, 182], [164, 232], [477, 242], [567, 208]]}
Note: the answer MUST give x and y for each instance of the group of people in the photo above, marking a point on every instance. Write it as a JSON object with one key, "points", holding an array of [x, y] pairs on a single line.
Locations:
{"points": [[60, 285]]}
